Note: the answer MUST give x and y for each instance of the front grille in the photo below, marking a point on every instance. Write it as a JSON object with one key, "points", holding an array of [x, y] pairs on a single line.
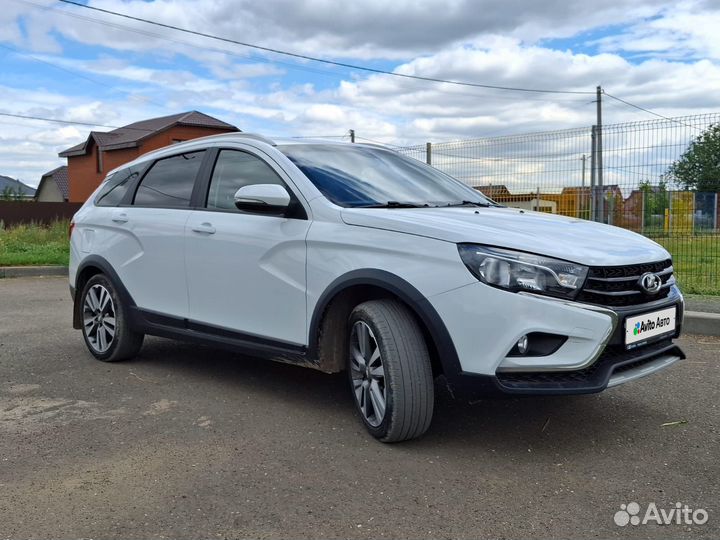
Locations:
{"points": [[618, 286], [614, 359]]}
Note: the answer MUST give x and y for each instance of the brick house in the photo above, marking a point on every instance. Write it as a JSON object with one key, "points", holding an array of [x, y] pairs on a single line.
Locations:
{"points": [[89, 161]]}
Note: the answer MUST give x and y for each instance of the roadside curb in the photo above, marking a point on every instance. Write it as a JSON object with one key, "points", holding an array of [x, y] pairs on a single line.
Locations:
{"points": [[32, 271], [698, 322]]}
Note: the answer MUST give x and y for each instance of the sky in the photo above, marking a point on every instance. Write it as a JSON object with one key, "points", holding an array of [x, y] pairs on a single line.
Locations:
{"points": [[67, 62]]}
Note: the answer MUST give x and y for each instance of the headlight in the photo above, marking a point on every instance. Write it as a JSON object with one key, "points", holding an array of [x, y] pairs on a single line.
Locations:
{"points": [[518, 271]]}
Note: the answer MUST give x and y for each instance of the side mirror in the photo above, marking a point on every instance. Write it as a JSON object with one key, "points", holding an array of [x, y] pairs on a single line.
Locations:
{"points": [[263, 199]]}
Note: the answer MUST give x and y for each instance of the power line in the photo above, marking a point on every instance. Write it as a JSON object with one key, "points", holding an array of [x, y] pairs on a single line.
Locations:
{"points": [[260, 58], [649, 111], [69, 122], [80, 75], [322, 60], [255, 57]]}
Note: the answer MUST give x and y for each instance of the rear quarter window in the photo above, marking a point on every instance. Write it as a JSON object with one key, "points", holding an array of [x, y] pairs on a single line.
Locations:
{"points": [[114, 188]]}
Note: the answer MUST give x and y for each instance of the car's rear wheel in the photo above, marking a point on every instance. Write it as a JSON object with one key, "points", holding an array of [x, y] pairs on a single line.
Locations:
{"points": [[105, 327], [389, 370]]}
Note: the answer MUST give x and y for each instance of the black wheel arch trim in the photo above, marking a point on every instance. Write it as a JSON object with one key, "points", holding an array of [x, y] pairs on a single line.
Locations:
{"points": [[406, 292], [106, 268]]}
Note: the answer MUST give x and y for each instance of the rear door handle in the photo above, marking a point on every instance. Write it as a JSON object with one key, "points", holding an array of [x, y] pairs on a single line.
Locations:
{"points": [[204, 228], [120, 217]]}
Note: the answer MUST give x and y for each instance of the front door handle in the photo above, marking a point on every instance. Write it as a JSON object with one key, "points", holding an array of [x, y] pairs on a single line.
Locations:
{"points": [[120, 217], [204, 228]]}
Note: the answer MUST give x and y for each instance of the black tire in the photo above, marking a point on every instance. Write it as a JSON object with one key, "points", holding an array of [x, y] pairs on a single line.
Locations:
{"points": [[407, 373], [125, 342]]}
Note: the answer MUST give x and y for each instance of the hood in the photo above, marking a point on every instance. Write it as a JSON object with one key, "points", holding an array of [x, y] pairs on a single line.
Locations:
{"points": [[577, 240]]}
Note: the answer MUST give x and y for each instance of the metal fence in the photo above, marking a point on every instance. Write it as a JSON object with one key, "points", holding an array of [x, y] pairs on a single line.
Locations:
{"points": [[16, 212], [626, 182]]}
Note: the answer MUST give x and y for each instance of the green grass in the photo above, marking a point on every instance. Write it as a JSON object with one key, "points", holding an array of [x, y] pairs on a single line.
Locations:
{"points": [[696, 259], [34, 244]]}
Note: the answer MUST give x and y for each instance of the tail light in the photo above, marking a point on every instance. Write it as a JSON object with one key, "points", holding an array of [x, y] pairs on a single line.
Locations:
{"points": [[71, 227]]}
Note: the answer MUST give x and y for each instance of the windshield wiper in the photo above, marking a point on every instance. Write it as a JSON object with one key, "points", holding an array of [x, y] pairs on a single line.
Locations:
{"points": [[471, 203], [394, 204]]}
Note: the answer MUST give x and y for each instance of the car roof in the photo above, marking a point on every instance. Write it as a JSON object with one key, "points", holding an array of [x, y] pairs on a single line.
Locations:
{"points": [[253, 139]]}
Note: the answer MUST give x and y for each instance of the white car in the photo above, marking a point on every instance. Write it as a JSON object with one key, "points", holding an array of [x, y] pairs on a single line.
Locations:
{"points": [[351, 257]]}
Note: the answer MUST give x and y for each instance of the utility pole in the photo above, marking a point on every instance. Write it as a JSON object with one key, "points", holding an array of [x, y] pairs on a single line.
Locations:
{"points": [[599, 152], [581, 194], [593, 172], [428, 153], [352, 135]]}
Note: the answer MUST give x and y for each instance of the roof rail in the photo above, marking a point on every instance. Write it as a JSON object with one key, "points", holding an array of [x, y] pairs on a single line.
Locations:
{"points": [[254, 136]]}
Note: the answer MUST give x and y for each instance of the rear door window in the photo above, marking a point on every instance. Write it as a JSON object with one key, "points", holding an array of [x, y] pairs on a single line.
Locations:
{"points": [[170, 181]]}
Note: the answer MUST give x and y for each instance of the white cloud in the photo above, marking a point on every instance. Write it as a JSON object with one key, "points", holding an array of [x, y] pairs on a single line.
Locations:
{"points": [[687, 30], [369, 29], [158, 71], [63, 136]]}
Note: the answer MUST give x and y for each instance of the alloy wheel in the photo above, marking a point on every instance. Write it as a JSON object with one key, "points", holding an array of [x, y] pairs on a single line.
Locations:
{"points": [[99, 318], [367, 374]]}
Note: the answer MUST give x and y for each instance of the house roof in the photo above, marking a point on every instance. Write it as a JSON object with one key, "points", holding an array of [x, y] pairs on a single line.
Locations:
{"points": [[60, 177], [16, 186], [494, 190], [130, 136], [588, 189]]}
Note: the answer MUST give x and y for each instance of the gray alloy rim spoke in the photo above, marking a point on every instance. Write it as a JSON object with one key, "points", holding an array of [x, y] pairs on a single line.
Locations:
{"points": [[358, 360], [90, 301], [366, 401], [363, 339], [104, 299], [109, 330], [102, 341], [377, 398], [99, 320], [378, 372], [358, 387], [368, 374]]}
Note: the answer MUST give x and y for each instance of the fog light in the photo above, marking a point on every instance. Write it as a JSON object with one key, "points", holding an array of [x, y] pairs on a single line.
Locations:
{"points": [[542, 344], [523, 344]]}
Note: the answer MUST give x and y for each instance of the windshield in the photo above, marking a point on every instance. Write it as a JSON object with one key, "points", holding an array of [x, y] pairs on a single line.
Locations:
{"points": [[361, 176]]}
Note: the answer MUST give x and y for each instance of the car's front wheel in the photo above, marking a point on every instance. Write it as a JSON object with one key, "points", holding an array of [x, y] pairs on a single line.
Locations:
{"points": [[390, 371], [105, 327]]}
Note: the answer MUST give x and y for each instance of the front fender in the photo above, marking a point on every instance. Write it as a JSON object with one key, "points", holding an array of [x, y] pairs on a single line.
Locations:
{"points": [[399, 288]]}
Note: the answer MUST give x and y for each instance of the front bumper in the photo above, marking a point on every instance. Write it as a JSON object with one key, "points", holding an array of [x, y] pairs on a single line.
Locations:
{"points": [[592, 358], [614, 366]]}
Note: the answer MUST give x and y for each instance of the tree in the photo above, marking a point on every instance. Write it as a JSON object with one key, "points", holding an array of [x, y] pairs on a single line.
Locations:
{"points": [[656, 200], [699, 167], [10, 194]]}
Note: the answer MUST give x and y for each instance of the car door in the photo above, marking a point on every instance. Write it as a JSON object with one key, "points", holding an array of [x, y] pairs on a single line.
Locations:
{"points": [[246, 271], [150, 254]]}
